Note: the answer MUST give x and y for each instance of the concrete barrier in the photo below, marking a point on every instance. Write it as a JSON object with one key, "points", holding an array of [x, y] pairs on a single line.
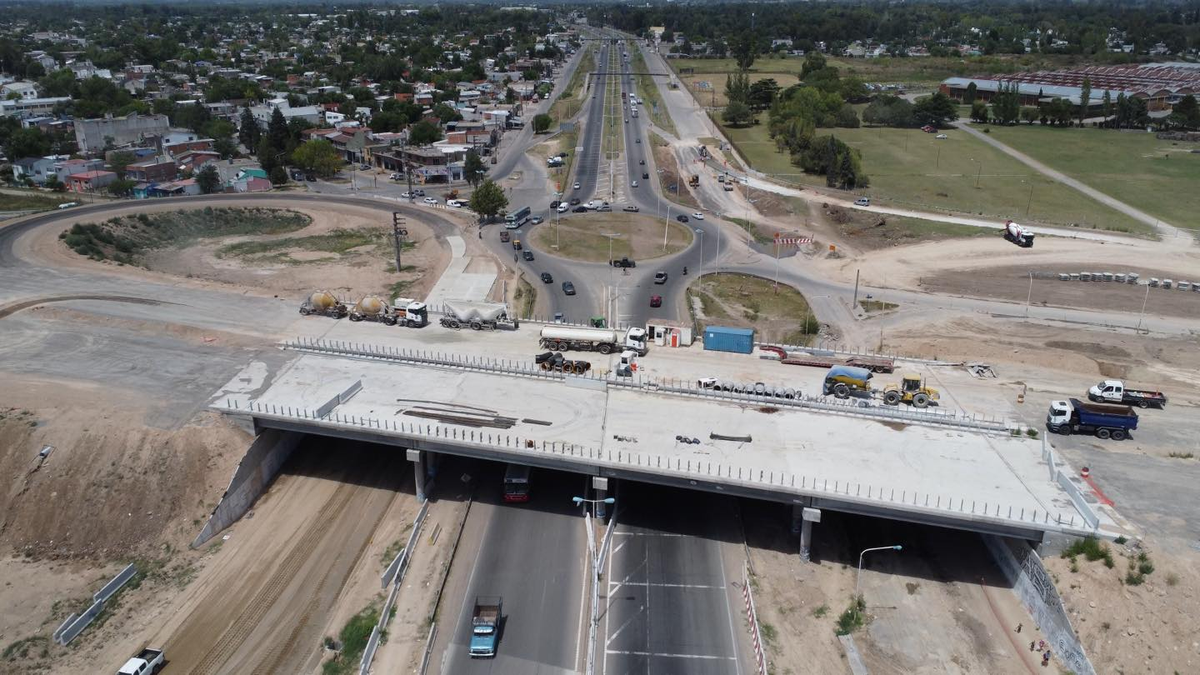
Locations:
{"points": [[1023, 568], [252, 477], [74, 625]]}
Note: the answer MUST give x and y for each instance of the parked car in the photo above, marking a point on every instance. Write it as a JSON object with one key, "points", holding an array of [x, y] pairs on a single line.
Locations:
{"points": [[397, 176], [562, 155], [568, 288], [418, 193], [547, 278], [364, 167], [941, 136], [406, 195], [563, 207], [656, 301], [632, 208], [554, 204], [574, 201], [430, 200], [681, 218], [660, 277], [527, 255], [580, 209]]}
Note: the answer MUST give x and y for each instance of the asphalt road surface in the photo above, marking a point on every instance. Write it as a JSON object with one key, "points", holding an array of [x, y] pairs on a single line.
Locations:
{"points": [[667, 606], [533, 556]]}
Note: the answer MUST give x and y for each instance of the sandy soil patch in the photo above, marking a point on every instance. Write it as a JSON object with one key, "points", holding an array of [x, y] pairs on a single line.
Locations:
{"points": [[358, 271]]}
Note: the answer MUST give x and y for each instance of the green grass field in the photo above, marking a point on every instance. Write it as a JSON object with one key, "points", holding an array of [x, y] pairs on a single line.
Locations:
{"points": [[1158, 177], [957, 175], [10, 201]]}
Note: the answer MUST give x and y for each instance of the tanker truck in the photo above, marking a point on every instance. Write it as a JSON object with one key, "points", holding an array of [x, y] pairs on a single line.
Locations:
{"points": [[1018, 234], [603, 340], [477, 315], [323, 303], [372, 308]]}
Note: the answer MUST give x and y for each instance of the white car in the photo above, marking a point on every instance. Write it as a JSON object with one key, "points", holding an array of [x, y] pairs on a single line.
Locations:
{"points": [[67, 205], [941, 136], [430, 200], [563, 207], [456, 203], [698, 216], [632, 208], [576, 185], [405, 195], [862, 201], [633, 184]]}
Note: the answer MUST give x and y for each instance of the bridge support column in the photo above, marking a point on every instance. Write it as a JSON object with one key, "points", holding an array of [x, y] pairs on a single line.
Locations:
{"points": [[600, 486], [419, 469], [808, 517]]}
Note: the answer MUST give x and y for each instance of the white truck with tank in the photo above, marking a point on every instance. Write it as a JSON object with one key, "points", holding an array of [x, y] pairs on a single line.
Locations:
{"points": [[1018, 234], [323, 303], [477, 315], [603, 340]]}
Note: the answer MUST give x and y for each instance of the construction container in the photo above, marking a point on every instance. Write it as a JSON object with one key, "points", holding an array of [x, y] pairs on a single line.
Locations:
{"points": [[725, 339], [1185, 285], [1166, 283], [1119, 278], [1085, 276], [1108, 276], [1132, 277], [1064, 277]]}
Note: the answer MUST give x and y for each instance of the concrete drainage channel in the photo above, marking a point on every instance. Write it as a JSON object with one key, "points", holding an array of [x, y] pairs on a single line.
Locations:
{"points": [[959, 420]]}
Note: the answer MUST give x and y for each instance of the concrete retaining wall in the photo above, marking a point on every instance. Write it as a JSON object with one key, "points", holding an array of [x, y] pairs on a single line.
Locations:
{"points": [[255, 472], [1032, 583]]}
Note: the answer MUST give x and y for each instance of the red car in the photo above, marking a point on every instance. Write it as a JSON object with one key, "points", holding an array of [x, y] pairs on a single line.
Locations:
{"points": [[656, 301]]}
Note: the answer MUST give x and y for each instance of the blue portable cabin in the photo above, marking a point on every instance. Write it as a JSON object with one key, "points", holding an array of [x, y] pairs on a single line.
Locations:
{"points": [[725, 339]]}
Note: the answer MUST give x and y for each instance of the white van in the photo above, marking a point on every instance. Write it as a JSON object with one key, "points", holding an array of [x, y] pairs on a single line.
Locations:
{"points": [[862, 201]]}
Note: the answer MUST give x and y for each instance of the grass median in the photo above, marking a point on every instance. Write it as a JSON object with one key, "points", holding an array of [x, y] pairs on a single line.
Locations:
{"points": [[743, 301], [582, 237], [648, 92]]}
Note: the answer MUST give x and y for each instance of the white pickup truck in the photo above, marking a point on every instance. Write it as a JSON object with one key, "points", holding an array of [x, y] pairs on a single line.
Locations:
{"points": [[1115, 391], [147, 662]]}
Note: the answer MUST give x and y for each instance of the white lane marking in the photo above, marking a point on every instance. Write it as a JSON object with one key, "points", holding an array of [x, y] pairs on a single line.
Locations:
{"points": [[646, 584], [618, 547], [650, 534], [733, 643], [671, 656], [624, 626]]}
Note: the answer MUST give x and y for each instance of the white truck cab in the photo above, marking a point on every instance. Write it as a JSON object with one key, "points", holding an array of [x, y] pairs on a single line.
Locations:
{"points": [[1059, 413], [635, 339]]}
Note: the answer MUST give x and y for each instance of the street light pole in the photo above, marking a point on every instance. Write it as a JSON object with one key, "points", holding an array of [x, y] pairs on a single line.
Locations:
{"points": [[1029, 296], [858, 579], [1143, 314], [700, 279]]}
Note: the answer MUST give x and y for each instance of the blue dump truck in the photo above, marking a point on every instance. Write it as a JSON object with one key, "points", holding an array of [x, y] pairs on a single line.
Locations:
{"points": [[485, 627], [1105, 421]]}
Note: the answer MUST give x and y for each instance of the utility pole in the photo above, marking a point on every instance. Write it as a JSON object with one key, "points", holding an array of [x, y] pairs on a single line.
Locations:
{"points": [[399, 232], [855, 291]]}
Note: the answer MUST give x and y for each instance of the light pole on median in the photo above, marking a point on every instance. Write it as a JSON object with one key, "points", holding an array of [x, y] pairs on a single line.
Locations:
{"points": [[858, 579], [700, 279]]}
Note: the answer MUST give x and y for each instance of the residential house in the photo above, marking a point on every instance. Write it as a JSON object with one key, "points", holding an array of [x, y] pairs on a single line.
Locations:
{"points": [[193, 160], [90, 181], [36, 169], [22, 90], [70, 167], [152, 170], [94, 135], [26, 108]]}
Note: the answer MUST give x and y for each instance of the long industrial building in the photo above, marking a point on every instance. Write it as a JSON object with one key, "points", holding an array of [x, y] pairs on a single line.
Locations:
{"points": [[1161, 85]]}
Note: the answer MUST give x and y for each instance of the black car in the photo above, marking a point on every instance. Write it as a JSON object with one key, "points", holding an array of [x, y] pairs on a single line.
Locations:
{"points": [[645, 176], [568, 288], [554, 204], [528, 255], [546, 278], [681, 218], [580, 209], [574, 201], [642, 162]]}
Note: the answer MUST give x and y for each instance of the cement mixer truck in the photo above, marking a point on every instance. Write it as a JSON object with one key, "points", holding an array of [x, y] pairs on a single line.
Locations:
{"points": [[323, 303], [1018, 234], [372, 308], [477, 315]]}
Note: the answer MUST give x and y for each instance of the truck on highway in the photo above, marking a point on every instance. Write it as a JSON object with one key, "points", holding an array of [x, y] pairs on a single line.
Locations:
{"points": [[1018, 234], [875, 364], [485, 626], [1114, 391], [477, 315], [409, 312], [323, 303], [603, 340], [147, 662], [1105, 421]]}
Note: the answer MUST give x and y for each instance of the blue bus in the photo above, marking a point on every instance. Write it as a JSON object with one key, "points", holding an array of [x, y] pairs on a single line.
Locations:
{"points": [[514, 220]]}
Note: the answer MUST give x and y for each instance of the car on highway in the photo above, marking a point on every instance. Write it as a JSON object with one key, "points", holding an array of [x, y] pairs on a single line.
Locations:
{"points": [[681, 218], [563, 207], [554, 204], [397, 176], [632, 208], [430, 200], [862, 201], [642, 162], [536, 220], [574, 201], [576, 185], [637, 140], [568, 288], [626, 120], [67, 205], [698, 216], [633, 183], [580, 209], [645, 175], [656, 301], [527, 255], [660, 277], [547, 278]]}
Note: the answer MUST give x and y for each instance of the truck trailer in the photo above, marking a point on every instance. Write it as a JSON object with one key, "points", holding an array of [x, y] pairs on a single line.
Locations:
{"points": [[875, 364], [323, 303], [603, 340], [477, 315], [1114, 391], [1102, 420]]}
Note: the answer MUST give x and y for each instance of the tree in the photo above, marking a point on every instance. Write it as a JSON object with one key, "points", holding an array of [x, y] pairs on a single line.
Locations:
{"points": [[488, 200], [208, 179], [1107, 106], [1188, 112], [737, 87], [53, 183], [117, 161], [762, 94], [889, 111], [1006, 103], [979, 112], [813, 61], [248, 131], [278, 175], [745, 50], [936, 109], [541, 123], [424, 133], [29, 142], [737, 114], [446, 113], [473, 168], [1085, 99], [277, 131], [972, 93], [1029, 114], [120, 187], [318, 156]]}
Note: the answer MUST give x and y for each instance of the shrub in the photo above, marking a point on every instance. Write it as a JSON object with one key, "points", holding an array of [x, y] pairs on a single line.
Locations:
{"points": [[852, 619]]}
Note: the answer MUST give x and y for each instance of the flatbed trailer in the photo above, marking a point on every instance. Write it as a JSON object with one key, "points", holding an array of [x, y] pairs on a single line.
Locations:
{"points": [[875, 364]]}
